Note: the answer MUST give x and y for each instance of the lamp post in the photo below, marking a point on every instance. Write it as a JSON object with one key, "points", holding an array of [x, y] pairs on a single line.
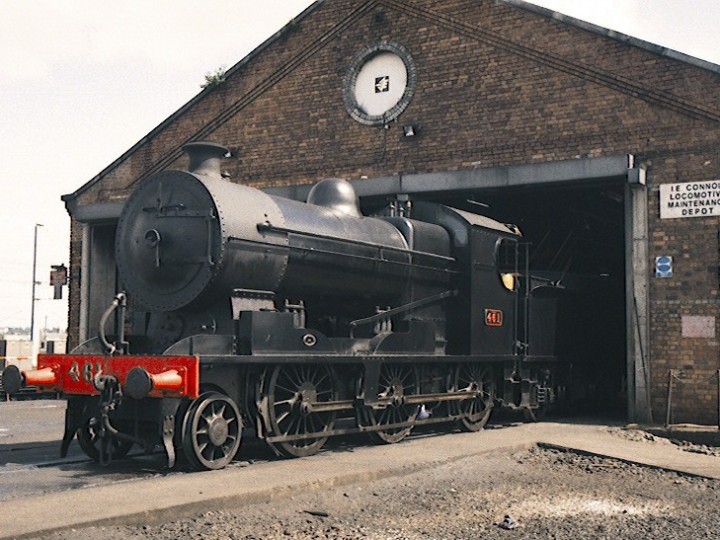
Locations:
{"points": [[34, 282]]}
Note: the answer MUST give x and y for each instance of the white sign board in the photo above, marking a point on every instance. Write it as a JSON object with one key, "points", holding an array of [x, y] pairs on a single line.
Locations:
{"points": [[694, 326], [690, 199]]}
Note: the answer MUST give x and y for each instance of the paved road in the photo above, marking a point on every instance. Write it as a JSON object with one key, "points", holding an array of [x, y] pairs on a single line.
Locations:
{"points": [[31, 421], [30, 432]]}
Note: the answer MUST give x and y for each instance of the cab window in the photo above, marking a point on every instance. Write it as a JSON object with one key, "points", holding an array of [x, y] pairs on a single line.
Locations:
{"points": [[507, 263]]}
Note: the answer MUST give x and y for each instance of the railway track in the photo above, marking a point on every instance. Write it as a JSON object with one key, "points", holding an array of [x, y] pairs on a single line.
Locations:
{"points": [[253, 450]]}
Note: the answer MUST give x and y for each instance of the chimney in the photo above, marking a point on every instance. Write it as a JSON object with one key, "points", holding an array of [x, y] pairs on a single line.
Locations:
{"points": [[205, 157]]}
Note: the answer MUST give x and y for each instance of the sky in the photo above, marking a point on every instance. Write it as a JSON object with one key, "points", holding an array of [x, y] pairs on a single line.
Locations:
{"points": [[81, 81]]}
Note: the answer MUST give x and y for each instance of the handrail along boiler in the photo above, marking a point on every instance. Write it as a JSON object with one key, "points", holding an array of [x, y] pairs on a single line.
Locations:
{"points": [[301, 320]]}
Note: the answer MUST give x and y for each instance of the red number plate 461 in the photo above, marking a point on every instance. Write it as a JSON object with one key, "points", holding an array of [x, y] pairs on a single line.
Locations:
{"points": [[493, 317]]}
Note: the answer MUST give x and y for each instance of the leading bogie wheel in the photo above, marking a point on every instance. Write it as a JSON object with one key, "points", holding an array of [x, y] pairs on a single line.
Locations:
{"points": [[211, 432], [92, 444]]}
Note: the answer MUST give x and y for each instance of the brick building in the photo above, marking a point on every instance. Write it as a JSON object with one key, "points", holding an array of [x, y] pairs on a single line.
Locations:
{"points": [[567, 129]]}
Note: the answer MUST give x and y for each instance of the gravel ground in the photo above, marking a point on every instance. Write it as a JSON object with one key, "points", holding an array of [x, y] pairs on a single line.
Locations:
{"points": [[546, 494]]}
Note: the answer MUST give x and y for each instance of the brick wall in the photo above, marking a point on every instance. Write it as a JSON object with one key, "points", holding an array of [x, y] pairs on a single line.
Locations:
{"points": [[496, 85]]}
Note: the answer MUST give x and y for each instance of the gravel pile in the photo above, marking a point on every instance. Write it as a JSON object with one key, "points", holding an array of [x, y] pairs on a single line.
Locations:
{"points": [[673, 438], [535, 494], [697, 448]]}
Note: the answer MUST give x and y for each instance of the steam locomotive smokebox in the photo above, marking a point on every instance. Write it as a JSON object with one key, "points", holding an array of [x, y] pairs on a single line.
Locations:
{"points": [[175, 236], [189, 238]]}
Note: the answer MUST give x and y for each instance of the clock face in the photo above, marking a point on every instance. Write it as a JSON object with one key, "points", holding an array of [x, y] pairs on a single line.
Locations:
{"points": [[380, 84]]}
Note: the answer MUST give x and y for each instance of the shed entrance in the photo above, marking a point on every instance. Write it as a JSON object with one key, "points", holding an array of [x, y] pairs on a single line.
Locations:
{"points": [[576, 238]]}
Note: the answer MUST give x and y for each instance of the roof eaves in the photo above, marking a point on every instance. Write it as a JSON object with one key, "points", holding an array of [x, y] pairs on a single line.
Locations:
{"points": [[618, 36], [70, 197]]}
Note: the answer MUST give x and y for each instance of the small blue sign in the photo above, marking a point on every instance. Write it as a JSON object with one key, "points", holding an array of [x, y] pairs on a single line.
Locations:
{"points": [[664, 266]]}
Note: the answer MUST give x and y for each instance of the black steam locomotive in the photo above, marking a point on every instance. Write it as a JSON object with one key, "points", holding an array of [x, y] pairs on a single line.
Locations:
{"points": [[300, 320]]}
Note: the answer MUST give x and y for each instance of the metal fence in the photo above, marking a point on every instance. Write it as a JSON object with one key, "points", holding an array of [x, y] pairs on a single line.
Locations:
{"points": [[677, 379]]}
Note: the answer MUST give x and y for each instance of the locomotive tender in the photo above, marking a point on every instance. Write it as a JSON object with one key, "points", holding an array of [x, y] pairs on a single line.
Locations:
{"points": [[300, 320]]}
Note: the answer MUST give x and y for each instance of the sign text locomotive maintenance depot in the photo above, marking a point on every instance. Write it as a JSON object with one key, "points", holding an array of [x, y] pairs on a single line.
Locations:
{"points": [[690, 199]]}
